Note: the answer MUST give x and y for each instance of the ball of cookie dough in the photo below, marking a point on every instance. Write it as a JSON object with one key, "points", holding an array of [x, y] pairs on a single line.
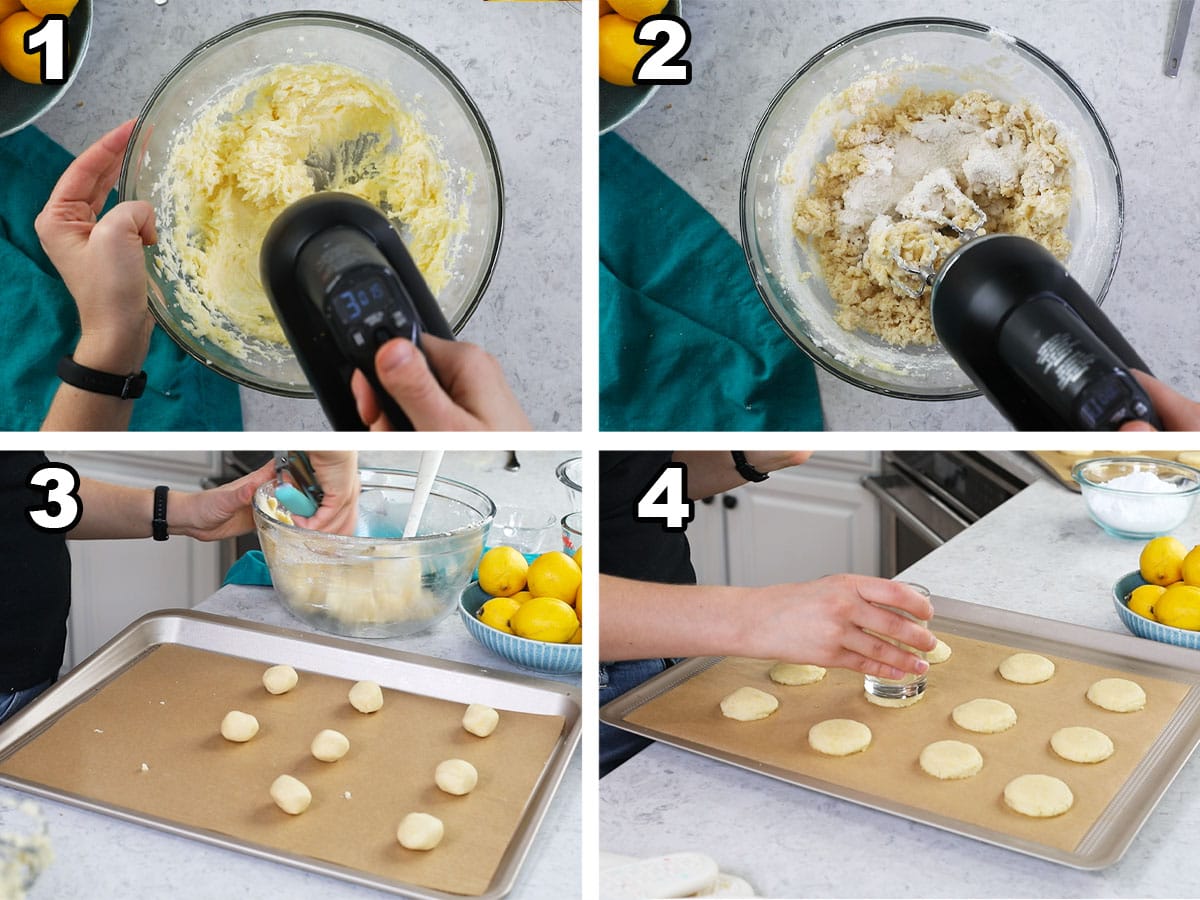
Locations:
{"points": [[420, 831], [1026, 668], [1081, 744], [795, 673], [951, 760], [939, 654], [1117, 695], [480, 720], [839, 737], [1040, 796], [280, 679], [238, 726], [984, 716], [366, 696], [290, 794], [456, 776], [747, 704], [330, 745]]}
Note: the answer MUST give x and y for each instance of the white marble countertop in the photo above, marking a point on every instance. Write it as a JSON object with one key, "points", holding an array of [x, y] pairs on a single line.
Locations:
{"points": [[98, 856], [530, 316], [1039, 553], [742, 53]]}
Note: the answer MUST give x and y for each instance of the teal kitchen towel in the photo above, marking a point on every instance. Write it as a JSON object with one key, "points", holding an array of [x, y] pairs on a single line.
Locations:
{"points": [[686, 344], [40, 323], [251, 568]]}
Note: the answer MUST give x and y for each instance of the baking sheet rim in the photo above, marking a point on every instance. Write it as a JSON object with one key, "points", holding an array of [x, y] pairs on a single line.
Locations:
{"points": [[1108, 840], [168, 626]]}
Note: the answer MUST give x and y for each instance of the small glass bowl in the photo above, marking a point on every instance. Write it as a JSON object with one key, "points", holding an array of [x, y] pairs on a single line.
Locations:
{"points": [[570, 476], [379, 585], [1133, 513], [796, 133]]}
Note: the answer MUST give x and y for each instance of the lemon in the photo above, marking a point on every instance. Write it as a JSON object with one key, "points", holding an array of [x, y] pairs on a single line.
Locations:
{"points": [[638, 9], [605, 7], [14, 60], [544, 619], [619, 52], [579, 603], [502, 571], [8, 7], [46, 7], [1179, 607], [577, 637], [497, 612], [578, 557], [555, 574], [1161, 561], [1190, 570], [522, 596], [1141, 601]]}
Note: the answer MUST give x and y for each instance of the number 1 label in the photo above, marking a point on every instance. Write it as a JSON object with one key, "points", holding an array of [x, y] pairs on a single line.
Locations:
{"points": [[49, 40]]}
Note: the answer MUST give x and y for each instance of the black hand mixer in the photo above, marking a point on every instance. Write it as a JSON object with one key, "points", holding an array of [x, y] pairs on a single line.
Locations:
{"points": [[342, 284]]}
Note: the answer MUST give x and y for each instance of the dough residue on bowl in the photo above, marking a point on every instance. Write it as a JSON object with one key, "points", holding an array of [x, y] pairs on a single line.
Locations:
{"points": [[899, 171], [262, 145]]}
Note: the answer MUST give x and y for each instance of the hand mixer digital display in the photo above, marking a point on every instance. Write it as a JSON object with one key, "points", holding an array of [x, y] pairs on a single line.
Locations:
{"points": [[1015, 321], [342, 285]]}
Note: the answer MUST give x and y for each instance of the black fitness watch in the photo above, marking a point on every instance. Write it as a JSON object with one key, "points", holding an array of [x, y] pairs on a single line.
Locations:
{"points": [[158, 524], [744, 468], [127, 387]]}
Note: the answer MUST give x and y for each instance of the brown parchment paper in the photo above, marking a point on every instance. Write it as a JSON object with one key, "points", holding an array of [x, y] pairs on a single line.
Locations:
{"points": [[1060, 464], [166, 710], [889, 767]]}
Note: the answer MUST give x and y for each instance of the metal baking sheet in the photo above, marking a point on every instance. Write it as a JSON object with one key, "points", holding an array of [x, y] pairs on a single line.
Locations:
{"points": [[1117, 825], [411, 673]]}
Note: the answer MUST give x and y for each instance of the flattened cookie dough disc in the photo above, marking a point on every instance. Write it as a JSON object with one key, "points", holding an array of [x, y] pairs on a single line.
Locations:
{"points": [[1040, 796], [939, 654], [1117, 695], [795, 673], [1026, 668], [747, 704], [984, 716], [894, 702], [951, 760], [1081, 744], [839, 737]]}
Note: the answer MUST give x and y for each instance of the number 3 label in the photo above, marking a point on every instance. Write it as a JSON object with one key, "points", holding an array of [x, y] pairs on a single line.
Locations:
{"points": [[670, 37], [666, 500], [63, 509]]}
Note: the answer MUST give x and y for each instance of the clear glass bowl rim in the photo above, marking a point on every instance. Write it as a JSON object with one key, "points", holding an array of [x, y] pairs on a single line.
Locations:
{"points": [[1079, 474]]}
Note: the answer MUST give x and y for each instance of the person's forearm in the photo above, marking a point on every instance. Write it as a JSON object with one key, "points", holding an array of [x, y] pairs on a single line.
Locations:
{"points": [[708, 472], [640, 619], [74, 409], [115, 512]]}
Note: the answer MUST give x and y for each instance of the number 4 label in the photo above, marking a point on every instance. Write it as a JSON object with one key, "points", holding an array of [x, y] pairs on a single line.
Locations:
{"points": [[670, 37], [63, 509], [49, 40], [666, 500]]}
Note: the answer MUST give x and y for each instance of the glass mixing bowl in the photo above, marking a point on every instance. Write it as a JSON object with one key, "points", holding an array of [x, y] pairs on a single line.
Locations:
{"points": [[797, 132], [376, 583], [419, 81]]}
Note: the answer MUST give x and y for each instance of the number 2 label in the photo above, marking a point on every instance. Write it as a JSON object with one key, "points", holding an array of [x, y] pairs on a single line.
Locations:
{"points": [[670, 37], [49, 40], [666, 500], [63, 509]]}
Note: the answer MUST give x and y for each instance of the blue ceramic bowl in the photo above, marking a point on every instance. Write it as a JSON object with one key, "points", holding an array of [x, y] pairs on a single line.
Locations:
{"points": [[1146, 628], [552, 659], [21, 103]]}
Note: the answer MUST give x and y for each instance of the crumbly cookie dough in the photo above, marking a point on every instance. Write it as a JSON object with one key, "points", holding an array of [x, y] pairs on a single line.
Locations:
{"points": [[951, 760], [897, 166], [939, 654], [1081, 744], [261, 146], [747, 704], [795, 673], [1041, 796], [839, 737], [984, 716], [1026, 668], [1117, 695]]}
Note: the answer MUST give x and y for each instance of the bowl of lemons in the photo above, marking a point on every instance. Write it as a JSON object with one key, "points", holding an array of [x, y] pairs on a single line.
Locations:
{"points": [[23, 95], [1160, 600], [528, 612], [620, 98]]}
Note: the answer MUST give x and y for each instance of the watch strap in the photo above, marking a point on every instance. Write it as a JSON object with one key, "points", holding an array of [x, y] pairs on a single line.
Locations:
{"points": [[744, 468], [158, 523], [127, 387]]}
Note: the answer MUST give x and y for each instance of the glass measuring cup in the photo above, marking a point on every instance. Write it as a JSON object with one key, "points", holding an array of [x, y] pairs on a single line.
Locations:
{"points": [[910, 686]]}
